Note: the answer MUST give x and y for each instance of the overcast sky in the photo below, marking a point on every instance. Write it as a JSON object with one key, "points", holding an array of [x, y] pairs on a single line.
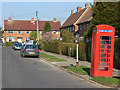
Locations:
{"points": [[46, 10]]}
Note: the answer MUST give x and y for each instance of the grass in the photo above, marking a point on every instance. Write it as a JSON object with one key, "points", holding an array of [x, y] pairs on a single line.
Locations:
{"points": [[107, 81], [50, 58], [82, 70]]}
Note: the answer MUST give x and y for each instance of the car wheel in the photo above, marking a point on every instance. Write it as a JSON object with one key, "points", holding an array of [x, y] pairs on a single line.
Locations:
{"points": [[38, 56]]}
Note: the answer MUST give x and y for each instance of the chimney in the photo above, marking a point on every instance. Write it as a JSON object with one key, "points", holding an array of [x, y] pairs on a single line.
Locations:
{"points": [[72, 12], [54, 20], [9, 19], [94, 2], [78, 8], [32, 20], [86, 5]]}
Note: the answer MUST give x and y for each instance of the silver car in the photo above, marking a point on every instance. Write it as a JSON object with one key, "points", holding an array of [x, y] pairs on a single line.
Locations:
{"points": [[16, 46], [29, 50]]}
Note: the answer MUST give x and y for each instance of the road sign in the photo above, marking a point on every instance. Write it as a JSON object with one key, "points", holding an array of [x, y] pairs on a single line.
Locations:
{"points": [[76, 38], [77, 41]]}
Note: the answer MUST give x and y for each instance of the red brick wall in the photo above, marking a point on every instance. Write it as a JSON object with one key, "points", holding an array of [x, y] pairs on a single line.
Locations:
{"points": [[24, 35]]}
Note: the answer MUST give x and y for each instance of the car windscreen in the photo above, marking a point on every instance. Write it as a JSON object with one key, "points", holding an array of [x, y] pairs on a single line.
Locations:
{"points": [[31, 47], [18, 44]]}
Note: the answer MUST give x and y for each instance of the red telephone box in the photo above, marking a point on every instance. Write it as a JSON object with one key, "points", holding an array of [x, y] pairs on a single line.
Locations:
{"points": [[102, 51]]}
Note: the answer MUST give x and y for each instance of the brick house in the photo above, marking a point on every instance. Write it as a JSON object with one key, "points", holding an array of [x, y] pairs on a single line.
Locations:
{"points": [[19, 30], [78, 20], [84, 22]]}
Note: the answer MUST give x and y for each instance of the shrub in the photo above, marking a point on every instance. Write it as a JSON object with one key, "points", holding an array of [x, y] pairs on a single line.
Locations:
{"points": [[60, 44], [40, 45], [88, 51], [117, 53], [9, 43], [82, 51]]}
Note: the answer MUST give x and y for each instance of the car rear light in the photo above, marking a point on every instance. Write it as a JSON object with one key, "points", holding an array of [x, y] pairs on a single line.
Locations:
{"points": [[37, 50], [25, 50]]}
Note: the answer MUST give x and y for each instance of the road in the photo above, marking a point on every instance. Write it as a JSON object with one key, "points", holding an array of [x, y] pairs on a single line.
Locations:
{"points": [[28, 72]]}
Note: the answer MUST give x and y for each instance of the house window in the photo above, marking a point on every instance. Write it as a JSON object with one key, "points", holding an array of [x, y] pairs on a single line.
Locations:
{"points": [[55, 32], [10, 39], [80, 27], [87, 25], [26, 39], [10, 31], [73, 28], [19, 31], [27, 32], [84, 26]]}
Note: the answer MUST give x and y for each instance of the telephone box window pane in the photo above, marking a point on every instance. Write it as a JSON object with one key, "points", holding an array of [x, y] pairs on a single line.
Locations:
{"points": [[102, 55], [102, 59], [110, 38], [102, 51], [109, 51], [102, 46], [105, 37], [99, 55]]}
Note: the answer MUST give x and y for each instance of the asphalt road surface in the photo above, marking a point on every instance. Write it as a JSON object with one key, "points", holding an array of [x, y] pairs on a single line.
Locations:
{"points": [[28, 72]]}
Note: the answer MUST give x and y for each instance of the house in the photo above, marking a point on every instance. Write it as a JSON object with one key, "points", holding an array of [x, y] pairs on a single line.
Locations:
{"points": [[19, 30], [84, 22], [78, 22]]}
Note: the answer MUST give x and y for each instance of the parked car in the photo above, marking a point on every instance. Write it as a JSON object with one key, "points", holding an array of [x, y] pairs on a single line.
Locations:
{"points": [[29, 50], [16, 45]]}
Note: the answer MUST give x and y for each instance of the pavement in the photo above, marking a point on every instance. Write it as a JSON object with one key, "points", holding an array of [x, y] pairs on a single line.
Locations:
{"points": [[70, 61]]}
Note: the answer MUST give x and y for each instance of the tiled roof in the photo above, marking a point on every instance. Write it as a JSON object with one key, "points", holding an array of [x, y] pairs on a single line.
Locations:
{"points": [[27, 25], [73, 18], [87, 16]]}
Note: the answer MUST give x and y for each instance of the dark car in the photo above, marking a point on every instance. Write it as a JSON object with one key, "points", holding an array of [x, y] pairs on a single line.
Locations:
{"points": [[17, 45], [29, 50]]}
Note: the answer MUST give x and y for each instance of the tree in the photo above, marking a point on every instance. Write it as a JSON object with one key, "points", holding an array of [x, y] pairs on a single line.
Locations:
{"points": [[33, 35], [105, 13], [47, 27], [47, 37], [67, 37], [0, 28]]}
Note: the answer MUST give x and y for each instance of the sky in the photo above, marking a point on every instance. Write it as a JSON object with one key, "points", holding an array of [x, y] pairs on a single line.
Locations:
{"points": [[46, 10]]}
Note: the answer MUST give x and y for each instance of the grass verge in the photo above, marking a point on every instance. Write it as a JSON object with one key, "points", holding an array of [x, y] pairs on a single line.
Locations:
{"points": [[107, 81], [50, 58], [82, 70]]}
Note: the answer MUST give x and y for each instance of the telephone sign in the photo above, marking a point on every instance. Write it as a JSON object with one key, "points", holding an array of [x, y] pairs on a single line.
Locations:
{"points": [[76, 38]]}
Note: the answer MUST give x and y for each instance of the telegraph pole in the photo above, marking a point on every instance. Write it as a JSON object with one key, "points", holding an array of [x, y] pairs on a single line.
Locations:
{"points": [[37, 27]]}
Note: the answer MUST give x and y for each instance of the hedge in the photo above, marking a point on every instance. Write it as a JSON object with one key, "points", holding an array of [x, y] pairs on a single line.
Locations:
{"points": [[9, 43], [68, 49], [117, 53]]}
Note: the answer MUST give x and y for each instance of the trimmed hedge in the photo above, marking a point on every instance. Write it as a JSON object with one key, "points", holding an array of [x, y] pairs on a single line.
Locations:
{"points": [[9, 43], [68, 49], [117, 53]]}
